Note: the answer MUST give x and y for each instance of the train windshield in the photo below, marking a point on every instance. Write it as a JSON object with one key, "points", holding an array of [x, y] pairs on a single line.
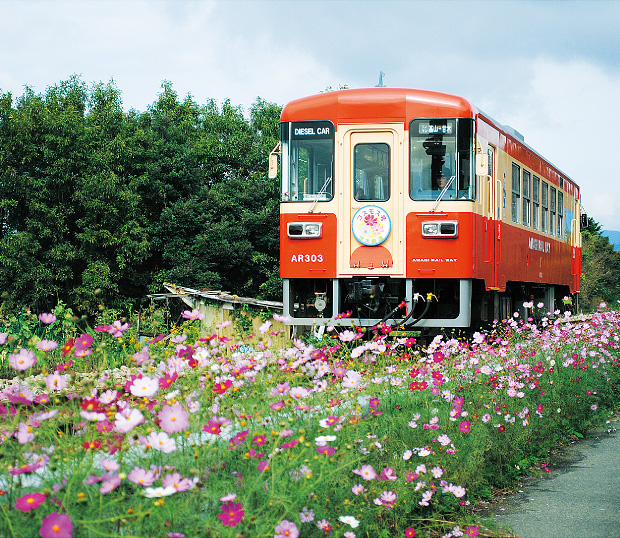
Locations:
{"points": [[307, 161], [441, 153]]}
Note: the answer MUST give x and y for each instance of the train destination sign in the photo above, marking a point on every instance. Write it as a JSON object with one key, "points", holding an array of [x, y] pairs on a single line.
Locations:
{"points": [[428, 127], [312, 129]]}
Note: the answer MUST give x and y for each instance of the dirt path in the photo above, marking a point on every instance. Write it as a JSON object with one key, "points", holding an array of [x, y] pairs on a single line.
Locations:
{"points": [[581, 498]]}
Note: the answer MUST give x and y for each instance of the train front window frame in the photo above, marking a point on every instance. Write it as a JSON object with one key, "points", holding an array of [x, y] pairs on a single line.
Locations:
{"points": [[308, 150], [371, 164], [439, 149]]}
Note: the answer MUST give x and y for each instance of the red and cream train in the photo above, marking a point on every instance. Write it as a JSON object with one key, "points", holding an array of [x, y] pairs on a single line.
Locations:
{"points": [[415, 208]]}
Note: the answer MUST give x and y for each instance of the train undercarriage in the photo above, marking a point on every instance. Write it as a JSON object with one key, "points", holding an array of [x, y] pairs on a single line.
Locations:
{"points": [[424, 305]]}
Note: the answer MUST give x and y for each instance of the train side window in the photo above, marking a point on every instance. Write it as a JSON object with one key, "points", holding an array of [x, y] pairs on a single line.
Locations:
{"points": [[516, 191], [536, 203], [545, 207], [560, 213], [372, 172], [526, 198], [552, 210], [441, 149]]}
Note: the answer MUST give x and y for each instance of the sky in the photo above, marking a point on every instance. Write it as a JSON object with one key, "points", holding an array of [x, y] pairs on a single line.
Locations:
{"points": [[548, 68]]}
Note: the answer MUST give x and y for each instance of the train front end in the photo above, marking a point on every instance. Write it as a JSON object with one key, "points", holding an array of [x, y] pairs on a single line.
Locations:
{"points": [[378, 209]]}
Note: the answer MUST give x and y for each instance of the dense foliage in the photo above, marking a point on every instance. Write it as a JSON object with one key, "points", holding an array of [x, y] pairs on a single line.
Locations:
{"points": [[600, 278], [100, 205]]}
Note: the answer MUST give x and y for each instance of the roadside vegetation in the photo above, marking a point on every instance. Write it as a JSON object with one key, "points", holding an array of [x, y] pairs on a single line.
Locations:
{"points": [[190, 433]]}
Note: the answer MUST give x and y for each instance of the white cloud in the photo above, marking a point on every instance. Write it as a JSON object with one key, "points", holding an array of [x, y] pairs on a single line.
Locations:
{"points": [[567, 114]]}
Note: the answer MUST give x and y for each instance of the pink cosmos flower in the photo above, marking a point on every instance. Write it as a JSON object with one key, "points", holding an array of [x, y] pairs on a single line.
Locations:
{"points": [[47, 345], [297, 393], [110, 482], [232, 513], [83, 342], [56, 526], [47, 318], [276, 406], [3, 337], [410, 532], [161, 441], [22, 360], [116, 329], [366, 472], [56, 381], [127, 419], [348, 336], [352, 379], [29, 502], [174, 418], [141, 477], [192, 314], [108, 396], [280, 389], [286, 529], [388, 498], [358, 489], [109, 465], [388, 474], [176, 481], [24, 433]]}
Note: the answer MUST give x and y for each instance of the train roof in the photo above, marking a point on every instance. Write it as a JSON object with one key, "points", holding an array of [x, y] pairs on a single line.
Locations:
{"points": [[377, 105]]}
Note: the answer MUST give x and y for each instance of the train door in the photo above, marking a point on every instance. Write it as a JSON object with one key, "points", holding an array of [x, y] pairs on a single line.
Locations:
{"points": [[371, 233]]}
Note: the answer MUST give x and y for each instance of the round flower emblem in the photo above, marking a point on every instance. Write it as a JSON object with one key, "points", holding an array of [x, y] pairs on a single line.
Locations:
{"points": [[371, 225]]}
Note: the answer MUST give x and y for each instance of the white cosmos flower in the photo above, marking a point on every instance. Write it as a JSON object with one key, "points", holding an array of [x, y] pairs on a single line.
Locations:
{"points": [[144, 387], [349, 520], [159, 492]]}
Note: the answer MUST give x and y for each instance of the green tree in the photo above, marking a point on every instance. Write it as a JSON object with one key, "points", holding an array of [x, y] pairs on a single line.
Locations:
{"points": [[101, 206], [600, 277]]}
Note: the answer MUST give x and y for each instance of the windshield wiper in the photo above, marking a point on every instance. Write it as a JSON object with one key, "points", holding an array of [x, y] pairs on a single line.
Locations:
{"points": [[441, 194], [318, 195]]}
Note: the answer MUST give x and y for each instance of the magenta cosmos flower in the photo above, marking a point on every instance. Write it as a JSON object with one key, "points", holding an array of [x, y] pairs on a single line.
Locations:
{"points": [[173, 418], [22, 360], [232, 513], [57, 526], [286, 529], [29, 502]]}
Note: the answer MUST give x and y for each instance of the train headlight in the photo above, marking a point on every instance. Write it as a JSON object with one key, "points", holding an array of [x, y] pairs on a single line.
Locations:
{"points": [[313, 230], [304, 230], [443, 229], [430, 228]]}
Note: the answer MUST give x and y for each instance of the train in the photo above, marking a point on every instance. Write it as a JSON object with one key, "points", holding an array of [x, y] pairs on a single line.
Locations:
{"points": [[414, 209]]}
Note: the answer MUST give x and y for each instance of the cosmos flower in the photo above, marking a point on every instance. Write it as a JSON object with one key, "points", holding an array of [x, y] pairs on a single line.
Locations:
{"points": [[47, 318], [232, 513], [173, 418], [287, 529], [22, 360], [56, 526], [29, 502]]}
